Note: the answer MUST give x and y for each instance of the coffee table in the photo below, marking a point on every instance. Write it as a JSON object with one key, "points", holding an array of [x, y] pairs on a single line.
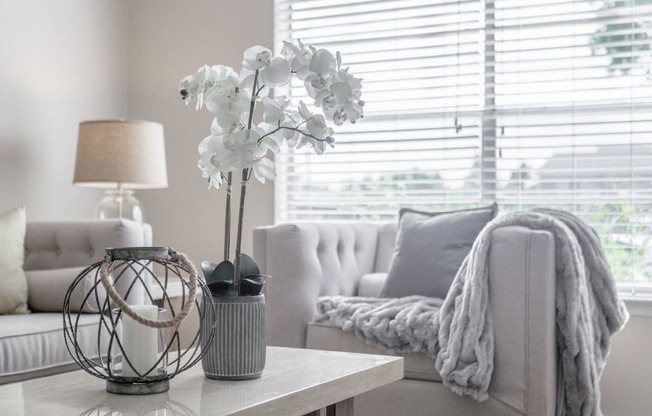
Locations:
{"points": [[295, 382]]}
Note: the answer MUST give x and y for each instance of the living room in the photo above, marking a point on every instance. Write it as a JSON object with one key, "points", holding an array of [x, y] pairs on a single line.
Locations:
{"points": [[68, 61]]}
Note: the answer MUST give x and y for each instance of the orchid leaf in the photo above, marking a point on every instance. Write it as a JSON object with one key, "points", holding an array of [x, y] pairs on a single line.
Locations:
{"points": [[252, 284], [222, 289], [223, 273], [207, 268], [248, 266]]}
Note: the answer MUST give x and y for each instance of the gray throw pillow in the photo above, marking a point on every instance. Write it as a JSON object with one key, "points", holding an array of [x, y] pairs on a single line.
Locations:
{"points": [[430, 248]]}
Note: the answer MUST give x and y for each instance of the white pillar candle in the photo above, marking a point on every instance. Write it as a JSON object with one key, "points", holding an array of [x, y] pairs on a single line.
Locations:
{"points": [[139, 342]]}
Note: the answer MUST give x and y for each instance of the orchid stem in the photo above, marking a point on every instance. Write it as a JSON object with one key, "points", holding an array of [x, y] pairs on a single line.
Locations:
{"points": [[243, 192], [290, 128], [252, 105], [227, 217], [238, 244]]}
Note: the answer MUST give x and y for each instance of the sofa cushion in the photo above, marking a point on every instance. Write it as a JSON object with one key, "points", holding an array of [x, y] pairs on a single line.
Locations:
{"points": [[47, 290], [371, 285], [323, 336], [13, 284], [430, 248], [34, 342]]}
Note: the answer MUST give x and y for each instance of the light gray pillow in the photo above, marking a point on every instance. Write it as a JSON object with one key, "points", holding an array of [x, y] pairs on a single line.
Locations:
{"points": [[430, 248], [13, 284]]}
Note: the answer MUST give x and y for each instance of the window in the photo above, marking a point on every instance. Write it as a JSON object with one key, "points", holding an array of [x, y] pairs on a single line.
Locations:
{"points": [[538, 103]]}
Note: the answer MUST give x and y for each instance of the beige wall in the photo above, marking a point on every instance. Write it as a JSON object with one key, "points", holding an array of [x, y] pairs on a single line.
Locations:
{"points": [[61, 61], [168, 40]]}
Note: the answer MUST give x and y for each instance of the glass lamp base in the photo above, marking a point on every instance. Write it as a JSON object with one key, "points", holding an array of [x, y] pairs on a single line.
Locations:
{"points": [[119, 204]]}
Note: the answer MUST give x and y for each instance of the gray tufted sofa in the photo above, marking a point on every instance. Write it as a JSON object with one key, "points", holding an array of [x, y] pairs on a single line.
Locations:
{"points": [[308, 260], [32, 345]]}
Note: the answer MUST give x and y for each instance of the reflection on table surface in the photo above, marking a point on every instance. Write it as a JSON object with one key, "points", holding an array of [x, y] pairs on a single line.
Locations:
{"points": [[155, 405]]}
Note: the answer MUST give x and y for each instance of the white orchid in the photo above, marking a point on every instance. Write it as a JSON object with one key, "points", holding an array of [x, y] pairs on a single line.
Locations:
{"points": [[193, 87], [237, 143], [214, 160], [321, 68], [256, 57], [299, 57], [347, 91], [279, 127], [238, 124], [248, 152], [228, 102], [274, 109], [278, 72], [244, 147], [272, 71], [319, 134], [264, 169]]}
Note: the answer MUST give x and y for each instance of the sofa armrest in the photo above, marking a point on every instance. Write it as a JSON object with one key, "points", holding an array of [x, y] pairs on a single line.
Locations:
{"points": [[522, 303]]}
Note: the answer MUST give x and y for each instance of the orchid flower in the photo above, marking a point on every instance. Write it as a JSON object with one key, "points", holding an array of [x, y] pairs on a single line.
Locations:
{"points": [[319, 134], [274, 109], [322, 65], [299, 57], [214, 160], [249, 153], [237, 143], [271, 70]]}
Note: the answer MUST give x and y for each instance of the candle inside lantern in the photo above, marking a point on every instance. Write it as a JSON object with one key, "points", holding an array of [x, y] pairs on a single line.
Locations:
{"points": [[140, 342]]}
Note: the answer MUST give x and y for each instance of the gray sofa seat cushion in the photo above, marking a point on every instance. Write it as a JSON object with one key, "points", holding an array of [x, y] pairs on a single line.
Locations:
{"points": [[323, 336], [33, 342]]}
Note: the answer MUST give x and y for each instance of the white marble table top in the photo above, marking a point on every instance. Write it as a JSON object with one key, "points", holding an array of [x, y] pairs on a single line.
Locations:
{"points": [[295, 382]]}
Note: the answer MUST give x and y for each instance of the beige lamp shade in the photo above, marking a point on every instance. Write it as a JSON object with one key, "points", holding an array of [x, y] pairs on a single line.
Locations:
{"points": [[118, 153]]}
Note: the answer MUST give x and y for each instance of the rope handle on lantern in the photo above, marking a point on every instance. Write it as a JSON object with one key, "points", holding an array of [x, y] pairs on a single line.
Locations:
{"points": [[124, 307]]}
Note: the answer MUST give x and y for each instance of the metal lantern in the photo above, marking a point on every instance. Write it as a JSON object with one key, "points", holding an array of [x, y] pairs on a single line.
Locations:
{"points": [[133, 339]]}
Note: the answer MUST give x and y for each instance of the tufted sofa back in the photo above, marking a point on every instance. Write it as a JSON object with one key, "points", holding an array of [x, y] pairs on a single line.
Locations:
{"points": [[56, 252], [336, 255], [316, 259], [57, 245]]}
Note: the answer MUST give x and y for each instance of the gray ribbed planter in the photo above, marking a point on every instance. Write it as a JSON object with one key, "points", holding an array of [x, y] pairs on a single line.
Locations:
{"points": [[238, 348]]}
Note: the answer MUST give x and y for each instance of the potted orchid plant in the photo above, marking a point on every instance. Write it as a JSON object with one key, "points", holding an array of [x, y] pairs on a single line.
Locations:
{"points": [[238, 144]]}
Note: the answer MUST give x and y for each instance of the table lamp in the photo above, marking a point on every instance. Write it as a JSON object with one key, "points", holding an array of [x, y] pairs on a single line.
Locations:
{"points": [[120, 156]]}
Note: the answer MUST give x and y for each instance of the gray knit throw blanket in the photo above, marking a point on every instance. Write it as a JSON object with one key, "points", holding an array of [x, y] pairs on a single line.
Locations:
{"points": [[457, 332]]}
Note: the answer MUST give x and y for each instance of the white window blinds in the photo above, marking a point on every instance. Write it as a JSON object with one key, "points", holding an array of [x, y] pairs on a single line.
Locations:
{"points": [[537, 103]]}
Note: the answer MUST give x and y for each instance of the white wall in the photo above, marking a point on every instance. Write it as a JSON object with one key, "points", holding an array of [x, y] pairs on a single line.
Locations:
{"points": [[627, 381], [168, 40], [61, 62]]}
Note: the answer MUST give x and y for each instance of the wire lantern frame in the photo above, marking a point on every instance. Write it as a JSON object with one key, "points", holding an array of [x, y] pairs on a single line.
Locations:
{"points": [[133, 271]]}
